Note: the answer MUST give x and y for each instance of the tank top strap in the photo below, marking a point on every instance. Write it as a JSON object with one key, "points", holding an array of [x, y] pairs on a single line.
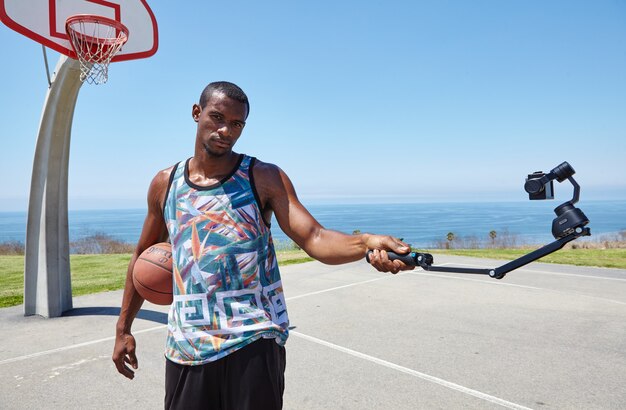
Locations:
{"points": [[247, 163], [169, 204]]}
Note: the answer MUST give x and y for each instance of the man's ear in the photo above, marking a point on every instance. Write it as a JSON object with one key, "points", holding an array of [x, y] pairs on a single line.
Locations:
{"points": [[195, 112]]}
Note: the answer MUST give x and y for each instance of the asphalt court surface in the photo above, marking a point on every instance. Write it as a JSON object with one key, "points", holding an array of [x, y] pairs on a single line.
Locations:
{"points": [[545, 336]]}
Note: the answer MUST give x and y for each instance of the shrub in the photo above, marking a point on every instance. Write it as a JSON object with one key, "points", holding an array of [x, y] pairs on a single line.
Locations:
{"points": [[12, 248], [100, 243]]}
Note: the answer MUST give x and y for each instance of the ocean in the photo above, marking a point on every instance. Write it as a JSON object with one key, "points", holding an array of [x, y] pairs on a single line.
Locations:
{"points": [[422, 225]]}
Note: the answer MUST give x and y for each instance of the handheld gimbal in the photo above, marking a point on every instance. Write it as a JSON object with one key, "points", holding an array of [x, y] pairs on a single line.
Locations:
{"points": [[568, 225]]}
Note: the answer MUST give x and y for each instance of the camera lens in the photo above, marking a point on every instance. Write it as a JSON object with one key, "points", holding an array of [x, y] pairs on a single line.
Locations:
{"points": [[533, 186]]}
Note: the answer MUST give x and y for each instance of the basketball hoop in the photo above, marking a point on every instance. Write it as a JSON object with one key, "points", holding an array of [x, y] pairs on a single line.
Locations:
{"points": [[95, 40]]}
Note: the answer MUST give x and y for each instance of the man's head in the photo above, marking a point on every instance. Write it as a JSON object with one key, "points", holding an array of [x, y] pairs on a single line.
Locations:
{"points": [[230, 90], [221, 116]]}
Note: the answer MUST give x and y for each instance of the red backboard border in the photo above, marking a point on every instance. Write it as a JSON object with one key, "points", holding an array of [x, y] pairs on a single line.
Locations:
{"points": [[70, 53]]}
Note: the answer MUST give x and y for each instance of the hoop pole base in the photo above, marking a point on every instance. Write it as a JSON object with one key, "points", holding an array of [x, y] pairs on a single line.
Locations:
{"points": [[47, 281]]}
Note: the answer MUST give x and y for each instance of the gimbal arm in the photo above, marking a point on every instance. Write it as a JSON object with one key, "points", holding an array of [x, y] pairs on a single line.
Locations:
{"points": [[425, 260]]}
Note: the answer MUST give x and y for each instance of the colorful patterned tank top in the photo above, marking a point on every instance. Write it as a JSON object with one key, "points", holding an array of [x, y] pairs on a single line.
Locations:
{"points": [[227, 287]]}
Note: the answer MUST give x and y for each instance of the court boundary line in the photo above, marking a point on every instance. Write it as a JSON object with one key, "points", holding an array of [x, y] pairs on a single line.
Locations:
{"points": [[415, 373]]}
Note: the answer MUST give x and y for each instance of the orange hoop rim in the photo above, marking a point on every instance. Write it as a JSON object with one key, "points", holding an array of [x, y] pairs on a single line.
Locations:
{"points": [[95, 40], [90, 18]]}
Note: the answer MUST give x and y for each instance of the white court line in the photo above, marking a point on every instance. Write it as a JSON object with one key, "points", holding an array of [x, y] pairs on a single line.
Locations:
{"points": [[572, 274], [317, 292], [546, 272], [489, 282], [61, 349], [515, 285], [423, 376]]}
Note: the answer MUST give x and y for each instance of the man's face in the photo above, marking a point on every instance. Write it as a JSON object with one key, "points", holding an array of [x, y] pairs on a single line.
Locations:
{"points": [[220, 123]]}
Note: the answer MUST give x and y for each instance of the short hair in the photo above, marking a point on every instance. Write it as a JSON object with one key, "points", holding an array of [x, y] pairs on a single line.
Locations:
{"points": [[228, 89]]}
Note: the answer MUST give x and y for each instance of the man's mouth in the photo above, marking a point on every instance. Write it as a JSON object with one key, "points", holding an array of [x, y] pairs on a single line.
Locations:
{"points": [[215, 145], [222, 143]]}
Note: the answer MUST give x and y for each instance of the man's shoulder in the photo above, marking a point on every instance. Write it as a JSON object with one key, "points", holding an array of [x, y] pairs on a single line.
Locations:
{"points": [[263, 169], [269, 179], [163, 176]]}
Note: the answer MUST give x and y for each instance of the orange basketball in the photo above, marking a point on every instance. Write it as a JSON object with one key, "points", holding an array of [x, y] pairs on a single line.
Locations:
{"points": [[152, 274]]}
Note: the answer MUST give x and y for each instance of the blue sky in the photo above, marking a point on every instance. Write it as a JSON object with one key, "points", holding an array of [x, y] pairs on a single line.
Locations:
{"points": [[366, 101]]}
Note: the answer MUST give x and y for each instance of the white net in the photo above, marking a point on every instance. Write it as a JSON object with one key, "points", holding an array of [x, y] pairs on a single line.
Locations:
{"points": [[95, 40]]}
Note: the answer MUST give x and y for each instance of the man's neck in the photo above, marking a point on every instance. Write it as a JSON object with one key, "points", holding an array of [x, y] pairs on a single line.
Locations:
{"points": [[205, 169]]}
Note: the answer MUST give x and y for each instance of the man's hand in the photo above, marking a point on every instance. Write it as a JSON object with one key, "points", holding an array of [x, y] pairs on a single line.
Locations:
{"points": [[380, 244], [124, 352]]}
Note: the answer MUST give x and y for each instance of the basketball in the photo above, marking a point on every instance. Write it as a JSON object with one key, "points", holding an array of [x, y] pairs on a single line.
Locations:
{"points": [[152, 274]]}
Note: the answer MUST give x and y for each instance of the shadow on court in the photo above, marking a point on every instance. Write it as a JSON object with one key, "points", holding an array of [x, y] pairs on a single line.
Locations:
{"points": [[149, 315]]}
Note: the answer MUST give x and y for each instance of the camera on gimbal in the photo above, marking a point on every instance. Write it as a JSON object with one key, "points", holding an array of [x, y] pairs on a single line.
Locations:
{"points": [[539, 190], [569, 219]]}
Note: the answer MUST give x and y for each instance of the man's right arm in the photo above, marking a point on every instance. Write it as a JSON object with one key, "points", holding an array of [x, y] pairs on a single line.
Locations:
{"points": [[154, 230]]}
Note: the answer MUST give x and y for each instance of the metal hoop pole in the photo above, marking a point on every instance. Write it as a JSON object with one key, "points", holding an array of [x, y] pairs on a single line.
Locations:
{"points": [[45, 60], [47, 281]]}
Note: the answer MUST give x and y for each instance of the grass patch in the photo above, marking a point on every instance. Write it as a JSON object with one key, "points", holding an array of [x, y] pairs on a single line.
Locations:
{"points": [[604, 258], [11, 280], [98, 273], [296, 261], [91, 273], [292, 257]]}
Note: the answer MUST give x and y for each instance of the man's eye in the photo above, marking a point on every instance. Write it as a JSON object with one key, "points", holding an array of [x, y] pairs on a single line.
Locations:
{"points": [[238, 125], [216, 116]]}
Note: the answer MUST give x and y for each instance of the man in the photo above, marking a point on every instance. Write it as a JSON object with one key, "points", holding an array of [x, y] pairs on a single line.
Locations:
{"points": [[228, 321]]}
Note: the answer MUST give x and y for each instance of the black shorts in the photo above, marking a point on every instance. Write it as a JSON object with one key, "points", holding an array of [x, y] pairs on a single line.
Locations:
{"points": [[252, 377]]}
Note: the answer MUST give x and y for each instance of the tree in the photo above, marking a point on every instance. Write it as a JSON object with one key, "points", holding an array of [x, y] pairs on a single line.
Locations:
{"points": [[492, 235], [450, 238]]}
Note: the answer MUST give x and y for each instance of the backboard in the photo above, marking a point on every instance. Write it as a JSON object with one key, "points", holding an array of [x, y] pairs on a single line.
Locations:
{"points": [[44, 21]]}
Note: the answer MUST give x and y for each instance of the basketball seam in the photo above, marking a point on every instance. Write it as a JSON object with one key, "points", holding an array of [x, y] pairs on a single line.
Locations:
{"points": [[151, 289], [155, 264], [148, 287]]}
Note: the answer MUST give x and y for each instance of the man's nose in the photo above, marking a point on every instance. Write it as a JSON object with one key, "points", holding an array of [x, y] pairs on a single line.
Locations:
{"points": [[224, 130]]}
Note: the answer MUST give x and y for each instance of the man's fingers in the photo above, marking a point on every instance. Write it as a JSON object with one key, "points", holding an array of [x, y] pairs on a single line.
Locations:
{"points": [[401, 266], [398, 246], [123, 369], [123, 354], [379, 259], [133, 360], [128, 373], [389, 243], [374, 258]]}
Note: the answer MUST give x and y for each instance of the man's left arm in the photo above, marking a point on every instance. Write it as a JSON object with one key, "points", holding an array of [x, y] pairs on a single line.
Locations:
{"points": [[328, 246]]}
